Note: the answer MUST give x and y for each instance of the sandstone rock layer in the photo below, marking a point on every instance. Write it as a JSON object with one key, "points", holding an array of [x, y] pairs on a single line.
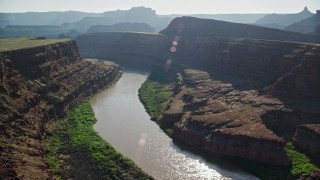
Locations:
{"points": [[37, 85], [221, 120]]}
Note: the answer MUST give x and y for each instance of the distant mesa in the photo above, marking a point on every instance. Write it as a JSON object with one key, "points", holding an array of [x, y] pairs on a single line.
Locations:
{"points": [[73, 23], [308, 25], [283, 20], [133, 15], [52, 24], [56, 23], [134, 12]]}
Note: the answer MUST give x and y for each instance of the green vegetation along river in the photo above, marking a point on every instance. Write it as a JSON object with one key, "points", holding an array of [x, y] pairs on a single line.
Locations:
{"points": [[75, 150]]}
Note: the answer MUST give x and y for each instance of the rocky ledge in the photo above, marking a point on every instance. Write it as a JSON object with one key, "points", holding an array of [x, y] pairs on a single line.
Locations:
{"points": [[39, 84], [307, 138], [221, 120]]}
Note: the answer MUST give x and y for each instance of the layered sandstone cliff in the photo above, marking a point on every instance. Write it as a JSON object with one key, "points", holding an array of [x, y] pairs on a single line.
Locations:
{"points": [[39, 84], [246, 63], [215, 117]]}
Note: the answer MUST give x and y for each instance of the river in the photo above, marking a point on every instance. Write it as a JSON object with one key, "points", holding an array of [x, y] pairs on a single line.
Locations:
{"points": [[124, 123]]}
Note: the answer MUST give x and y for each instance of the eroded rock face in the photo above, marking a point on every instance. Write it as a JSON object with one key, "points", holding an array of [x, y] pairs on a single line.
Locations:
{"points": [[38, 85], [221, 120], [243, 62], [303, 80], [307, 138]]}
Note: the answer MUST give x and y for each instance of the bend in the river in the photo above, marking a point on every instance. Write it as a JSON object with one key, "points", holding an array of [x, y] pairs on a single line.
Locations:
{"points": [[124, 123]]}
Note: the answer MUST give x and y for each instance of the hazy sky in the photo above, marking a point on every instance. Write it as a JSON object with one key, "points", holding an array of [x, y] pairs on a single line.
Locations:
{"points": [[163, 6]]}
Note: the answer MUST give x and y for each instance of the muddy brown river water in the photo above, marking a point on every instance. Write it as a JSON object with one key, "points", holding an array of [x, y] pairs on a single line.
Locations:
{"points": [[124, 123]]}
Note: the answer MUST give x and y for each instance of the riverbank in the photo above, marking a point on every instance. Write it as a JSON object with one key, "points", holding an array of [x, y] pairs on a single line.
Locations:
{"points": [[155, 93], [75, 150], [301, 163]]}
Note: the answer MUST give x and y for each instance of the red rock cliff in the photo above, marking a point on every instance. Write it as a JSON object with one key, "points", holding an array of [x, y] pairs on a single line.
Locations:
{"points": [[220, 120], [37, 85]]}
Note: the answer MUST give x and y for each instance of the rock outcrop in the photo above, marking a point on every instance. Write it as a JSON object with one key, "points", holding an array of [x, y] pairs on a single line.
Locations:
{"points": [[284, 19], [307, 138], [216, 118], [37, 85]]}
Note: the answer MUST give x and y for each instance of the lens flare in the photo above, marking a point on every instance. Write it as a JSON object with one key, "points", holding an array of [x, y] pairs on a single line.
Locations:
{"points": [[173, 49], [169, 62], [143, 139], [175, 43]]}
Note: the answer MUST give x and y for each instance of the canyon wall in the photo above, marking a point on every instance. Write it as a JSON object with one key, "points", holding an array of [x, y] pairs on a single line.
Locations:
{"points": [[266, 88], [246, 63], [39, 84]]}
